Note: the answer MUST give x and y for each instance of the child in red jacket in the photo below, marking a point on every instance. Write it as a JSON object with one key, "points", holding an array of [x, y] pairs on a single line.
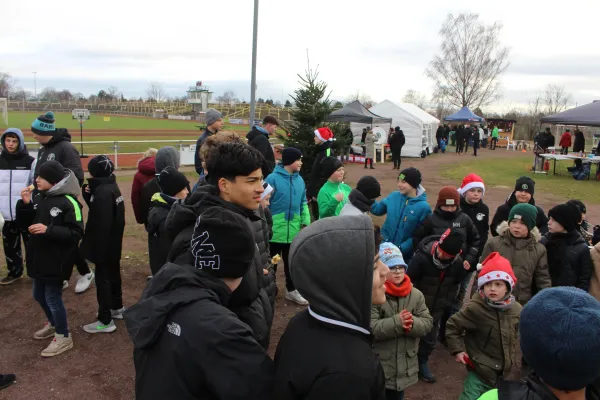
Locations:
{"points": [[565, 142]]}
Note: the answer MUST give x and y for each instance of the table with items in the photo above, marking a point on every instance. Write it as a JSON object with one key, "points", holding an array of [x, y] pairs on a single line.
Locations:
{"points": [[592, 159]]}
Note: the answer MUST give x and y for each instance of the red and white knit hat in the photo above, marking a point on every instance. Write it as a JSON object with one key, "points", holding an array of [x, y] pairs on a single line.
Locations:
{"points": [[471, 181], [324, 134], [495, 267]]}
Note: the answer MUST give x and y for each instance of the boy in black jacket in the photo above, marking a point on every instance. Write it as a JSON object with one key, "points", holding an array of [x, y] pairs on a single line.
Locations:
{"points": [[103, 241], [54, 221], [187, 344], [323, 141], [174, 187]]}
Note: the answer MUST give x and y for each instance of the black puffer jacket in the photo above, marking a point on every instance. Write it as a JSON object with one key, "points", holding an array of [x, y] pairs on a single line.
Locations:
{"points": [[260, 141], [480, 215], [263, 231], [503, 212], [439, 221], [159, 243], [569, 259], [250, 301], [439, 286], [316, 180], [60, 149], [579, 143]]}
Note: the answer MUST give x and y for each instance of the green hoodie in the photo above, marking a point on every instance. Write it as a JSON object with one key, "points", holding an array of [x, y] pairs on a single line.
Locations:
{"points": [[328, 204]]}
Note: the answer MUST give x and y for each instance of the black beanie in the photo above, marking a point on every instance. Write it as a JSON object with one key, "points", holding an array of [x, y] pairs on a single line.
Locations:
{"points": [[451, 242], [171, 181], [579, 204], [329, 165], [369, 186], [412, 176], [52, 172], [567, 215], [525, 184], [222, 244], [290, 155], [100, 167]]}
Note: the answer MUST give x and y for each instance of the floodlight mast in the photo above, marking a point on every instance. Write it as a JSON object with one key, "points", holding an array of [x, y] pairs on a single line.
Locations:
{"points": [[253, 79]]}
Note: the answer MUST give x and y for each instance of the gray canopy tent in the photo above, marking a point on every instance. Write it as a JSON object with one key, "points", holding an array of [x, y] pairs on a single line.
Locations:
{"points": [[586, 115], [356, 112]]}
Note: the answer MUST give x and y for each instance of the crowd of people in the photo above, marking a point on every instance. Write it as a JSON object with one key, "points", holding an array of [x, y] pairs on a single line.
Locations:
{"points": [[378, 299], [475, 135]]}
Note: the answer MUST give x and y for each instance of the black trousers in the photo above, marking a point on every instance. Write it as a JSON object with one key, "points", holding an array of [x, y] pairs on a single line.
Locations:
{"points": [[394, 395], [427, 344], [11, 239], [108, 290], [370, 160], [565, 150], [283, 249], [314, 209], [396, 158], [80, 262], [494, 143]]}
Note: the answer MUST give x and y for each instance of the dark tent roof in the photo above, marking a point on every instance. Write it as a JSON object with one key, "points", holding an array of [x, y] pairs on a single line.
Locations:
{"points": [[464, 115], [356, 112], [588, 115]]}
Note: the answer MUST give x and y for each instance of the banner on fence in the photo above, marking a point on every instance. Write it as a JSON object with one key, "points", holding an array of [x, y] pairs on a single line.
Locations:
{"points": [[238, 121], [106, 119], [180, 117]]}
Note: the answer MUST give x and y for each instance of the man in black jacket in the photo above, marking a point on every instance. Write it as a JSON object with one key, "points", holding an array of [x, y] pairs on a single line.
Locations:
{"points": [[103, 241], [187, 344], [396, 142], [258, 138], [214, 123]]}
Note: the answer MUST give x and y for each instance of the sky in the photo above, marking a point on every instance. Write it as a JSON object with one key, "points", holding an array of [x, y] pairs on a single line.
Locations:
{"points": [[379, 48]]}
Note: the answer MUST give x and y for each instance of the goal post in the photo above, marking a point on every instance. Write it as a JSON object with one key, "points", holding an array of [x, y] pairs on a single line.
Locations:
{"points": [[4, 112]]}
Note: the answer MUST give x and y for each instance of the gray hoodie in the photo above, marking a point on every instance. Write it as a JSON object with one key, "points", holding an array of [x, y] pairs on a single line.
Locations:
{"points": [[68, 186], [335, 278], [167, 156]]}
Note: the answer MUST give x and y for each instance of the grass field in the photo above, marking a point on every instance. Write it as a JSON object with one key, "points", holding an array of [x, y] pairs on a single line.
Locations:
{"points": [[502, 172]]}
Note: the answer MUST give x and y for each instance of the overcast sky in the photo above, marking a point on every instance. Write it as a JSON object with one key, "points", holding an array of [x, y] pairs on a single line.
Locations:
{"points": [[377, 47]]}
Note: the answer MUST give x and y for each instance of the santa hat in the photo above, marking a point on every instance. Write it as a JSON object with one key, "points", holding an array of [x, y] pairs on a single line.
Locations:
{"points": [[495, 267], [324, 134], [471, 181]]}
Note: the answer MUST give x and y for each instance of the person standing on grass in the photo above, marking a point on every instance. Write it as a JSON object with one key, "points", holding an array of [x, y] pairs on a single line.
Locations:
{"points": [[495, 137], [214, 123], [323, 141], [406, 209], [396, 142], [398, 324], [290, 212], [579, 143], [565, 142], [325, 351], [15, 175], [361, 199], [53, 218], [187, 343], [103, 241], [55, 145], [145, 172], [258, 138], [334, 193]]}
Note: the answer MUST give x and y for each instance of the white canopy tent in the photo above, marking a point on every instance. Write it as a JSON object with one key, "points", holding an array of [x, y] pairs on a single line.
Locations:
{"points": [[418, 126]]}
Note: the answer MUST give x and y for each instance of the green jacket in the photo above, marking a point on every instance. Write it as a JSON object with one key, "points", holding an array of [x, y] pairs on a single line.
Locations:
{"points": [[490, 337], [328, 204], [397, 349], [495, 133]]}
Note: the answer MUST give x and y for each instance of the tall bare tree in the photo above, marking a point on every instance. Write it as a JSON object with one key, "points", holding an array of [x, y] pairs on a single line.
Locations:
{"points": [[364, 99], [113, 93], [7, 82], [416, 98], [18, 93], [228, 97], [156, 92], [442, 105], [556, 99], [470, 61], [49, 93]]}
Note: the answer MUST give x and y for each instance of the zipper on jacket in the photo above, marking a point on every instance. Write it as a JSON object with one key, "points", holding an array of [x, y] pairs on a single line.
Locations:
{"points": [[290, 210], [10, 196]]}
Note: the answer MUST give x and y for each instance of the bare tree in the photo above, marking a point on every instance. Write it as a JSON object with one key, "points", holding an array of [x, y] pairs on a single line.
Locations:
{"points": [[64, 95], [49, 93], [18, 93], [556, 99], [78, 96], [156, 92], [228, 97], [7, 82], [363, 98], [113, 93], [416, 98], [470, 62], [443, 108]]}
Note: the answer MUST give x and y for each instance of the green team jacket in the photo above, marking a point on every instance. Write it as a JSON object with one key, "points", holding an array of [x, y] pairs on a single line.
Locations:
{"points": [[288, 204], [328, 204], [495, 133]]}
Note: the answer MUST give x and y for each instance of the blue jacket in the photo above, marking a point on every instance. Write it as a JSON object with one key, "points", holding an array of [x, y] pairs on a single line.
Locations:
{"points": [[404, 214]]}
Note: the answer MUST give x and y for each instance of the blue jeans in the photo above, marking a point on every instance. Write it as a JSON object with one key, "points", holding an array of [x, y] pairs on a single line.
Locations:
{"points": [[49, 294]]}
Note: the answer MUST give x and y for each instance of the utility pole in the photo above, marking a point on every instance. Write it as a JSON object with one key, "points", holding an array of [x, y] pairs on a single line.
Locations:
{"points": [[253, 79], [34, 85]]}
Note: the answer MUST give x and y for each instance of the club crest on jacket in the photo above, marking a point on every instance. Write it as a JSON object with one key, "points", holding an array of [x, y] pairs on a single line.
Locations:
{"points": [[55, 211]]}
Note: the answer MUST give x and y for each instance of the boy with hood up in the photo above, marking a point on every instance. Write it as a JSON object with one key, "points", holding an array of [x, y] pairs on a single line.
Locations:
{"points": [[187, 343], [258, 138], [54, 220], [325, 351], [361, 199], [145, 172], [406, 209], [15, 175], [523, 193]]}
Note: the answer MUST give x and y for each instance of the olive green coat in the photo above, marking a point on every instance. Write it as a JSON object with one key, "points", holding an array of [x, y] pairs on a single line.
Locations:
{"points": [[528, 260], [397, 349], [490, 337]]}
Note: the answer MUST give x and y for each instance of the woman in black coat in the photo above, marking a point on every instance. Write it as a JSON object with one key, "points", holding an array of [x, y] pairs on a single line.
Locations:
{"points": [[579, 144], [396, 142]]}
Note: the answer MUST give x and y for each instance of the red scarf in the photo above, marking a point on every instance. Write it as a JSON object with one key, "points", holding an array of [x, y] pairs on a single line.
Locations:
{"points": [[399, 291]]}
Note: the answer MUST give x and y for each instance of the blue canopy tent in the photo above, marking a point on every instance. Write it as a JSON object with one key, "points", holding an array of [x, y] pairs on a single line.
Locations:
{"points": [[464, 115]]}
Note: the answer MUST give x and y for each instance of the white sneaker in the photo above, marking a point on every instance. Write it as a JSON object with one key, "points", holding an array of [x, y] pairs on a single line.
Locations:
{"points": [[84, 282], [65, 284], [46, 332], [58, 345], [296, 297], [99, 327], [117, 314]]}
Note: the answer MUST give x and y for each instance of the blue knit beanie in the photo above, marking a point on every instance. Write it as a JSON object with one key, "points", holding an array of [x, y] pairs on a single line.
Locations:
{"points": [[44, 125], [391, 255], [559, 337]]}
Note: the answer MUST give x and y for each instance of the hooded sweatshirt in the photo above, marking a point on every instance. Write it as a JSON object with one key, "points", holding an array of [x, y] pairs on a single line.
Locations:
{"points": [[15, 171], [325, 350], [60, 149], [258, 138], [189, 346], [503, 212], [50, 255], [357, 204], [144, 174]]}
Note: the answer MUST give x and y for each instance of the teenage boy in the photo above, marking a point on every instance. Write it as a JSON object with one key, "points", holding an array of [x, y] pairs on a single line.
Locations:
{"points": [[214, 123], [53, 218], [361, 199], [471, 192], [406, 209], [334, 193], [258, 138], [187, 344], [290, 212], [15, 169], [323, 141], [103, 241], [234, 182]]}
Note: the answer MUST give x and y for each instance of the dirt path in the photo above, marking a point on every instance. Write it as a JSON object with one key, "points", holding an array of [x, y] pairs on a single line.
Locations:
{"points": [[101, 367]]}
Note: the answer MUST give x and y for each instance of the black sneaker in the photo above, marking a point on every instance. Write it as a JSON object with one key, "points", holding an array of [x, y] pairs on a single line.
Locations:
{"points": [[6, 380], [10, 279]]}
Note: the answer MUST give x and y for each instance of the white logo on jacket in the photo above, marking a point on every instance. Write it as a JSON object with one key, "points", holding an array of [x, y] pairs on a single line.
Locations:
{"points": [[119, 200], [480, 216], [50, 157], [55, 211], [456, 224], [174, 329]]}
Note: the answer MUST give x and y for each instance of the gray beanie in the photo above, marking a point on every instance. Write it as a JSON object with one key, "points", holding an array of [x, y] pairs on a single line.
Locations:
{"points": [[212, 116], [167, 156]]}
